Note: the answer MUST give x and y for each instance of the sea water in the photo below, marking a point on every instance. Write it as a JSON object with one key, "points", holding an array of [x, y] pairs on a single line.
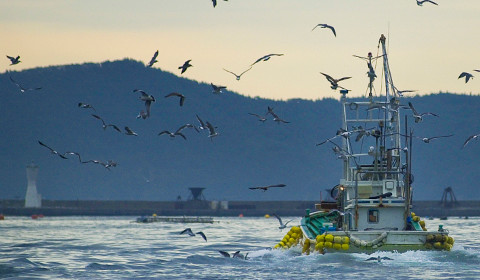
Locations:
{"points": [[119, 248]]}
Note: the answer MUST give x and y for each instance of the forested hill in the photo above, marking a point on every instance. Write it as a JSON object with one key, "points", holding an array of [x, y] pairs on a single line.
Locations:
{"points": [[246, 153]]}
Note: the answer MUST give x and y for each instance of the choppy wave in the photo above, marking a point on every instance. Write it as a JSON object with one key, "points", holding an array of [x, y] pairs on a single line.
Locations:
{"points": [[115, 248]]}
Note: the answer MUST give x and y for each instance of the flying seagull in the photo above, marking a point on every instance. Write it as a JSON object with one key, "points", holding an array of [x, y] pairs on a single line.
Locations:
{"points": [[153, 60], [334, 82], [202, 235], [471, 137], [419, 117], [185, 66], [147, 98], [202, 124], [178, 132], [466, 75], [428, 139], [260, 118], [323, 25], [104, 125], [276, 118], [266, 57], [265, 188], [237, 76], [211, 129], [23, 89], [181, 96], [282, 225], [86, 106], [379, 259], [420, 2], [128, 131], [74, 153], [14, 60], [52, 150], [217, 89], [190, 232]]}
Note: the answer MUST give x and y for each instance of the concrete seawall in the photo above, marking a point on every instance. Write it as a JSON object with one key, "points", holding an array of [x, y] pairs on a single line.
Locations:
{"points": [[208, 208]]}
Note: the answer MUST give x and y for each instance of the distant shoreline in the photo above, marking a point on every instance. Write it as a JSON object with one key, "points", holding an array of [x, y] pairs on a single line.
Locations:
{"points": [[208, 208]]}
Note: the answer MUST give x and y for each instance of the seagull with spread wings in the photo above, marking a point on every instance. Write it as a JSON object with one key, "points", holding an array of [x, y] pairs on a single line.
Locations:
{"points": [[334, 82], [266, 57], [185, 66], [153, 60], [428, 139], [86, 106], [420, 2], [276, 118], [217, 89], [470, 138], [265, 188], [104, 125], [260, 118], [53, 151], [147, 98], [419, 117], [237, 76], [323, 25], [282, 225], [466, 75], [14, 60], [181, 96], [177, 132], [23, 89], [129, 131]]}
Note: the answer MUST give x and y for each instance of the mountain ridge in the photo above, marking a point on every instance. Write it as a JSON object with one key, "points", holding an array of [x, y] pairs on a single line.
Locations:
{"points": [[246, 153]]}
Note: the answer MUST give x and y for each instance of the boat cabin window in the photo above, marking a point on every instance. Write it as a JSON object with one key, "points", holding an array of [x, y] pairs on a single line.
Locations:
{"points": [[373, 216]]}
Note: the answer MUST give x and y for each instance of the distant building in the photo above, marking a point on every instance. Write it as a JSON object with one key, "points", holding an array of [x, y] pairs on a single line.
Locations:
{"points": [[32, 197]]}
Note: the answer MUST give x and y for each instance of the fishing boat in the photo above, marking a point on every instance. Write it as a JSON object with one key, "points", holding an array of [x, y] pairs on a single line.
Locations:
{"points": [[372, 203]]}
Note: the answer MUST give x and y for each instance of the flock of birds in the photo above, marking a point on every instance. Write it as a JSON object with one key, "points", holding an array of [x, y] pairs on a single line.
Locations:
{"points": [[148, 100]]}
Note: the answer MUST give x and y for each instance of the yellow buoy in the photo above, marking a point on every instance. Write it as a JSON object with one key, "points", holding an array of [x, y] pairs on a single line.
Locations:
{"points": [[294, 235], [281, 243], [291, 240], [267, 216], [422, 223], [345, 246], [450, 240], [437, 245], [320, 238], [337, 239], [413, 214], [345, 240], [276, 246], [337, 246], [329, 238], [430, 237], [328, 244], [416, 219]]}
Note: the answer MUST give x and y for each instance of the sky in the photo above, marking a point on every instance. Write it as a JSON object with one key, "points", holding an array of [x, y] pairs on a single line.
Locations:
{"points": [[429, 46]]}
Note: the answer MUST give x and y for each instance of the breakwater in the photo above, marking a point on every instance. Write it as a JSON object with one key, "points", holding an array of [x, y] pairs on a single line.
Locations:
{"points": [[209, 208]]}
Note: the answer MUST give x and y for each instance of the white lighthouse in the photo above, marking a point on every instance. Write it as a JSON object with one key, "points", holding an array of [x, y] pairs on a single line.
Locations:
{"points": [[32, 198]]}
